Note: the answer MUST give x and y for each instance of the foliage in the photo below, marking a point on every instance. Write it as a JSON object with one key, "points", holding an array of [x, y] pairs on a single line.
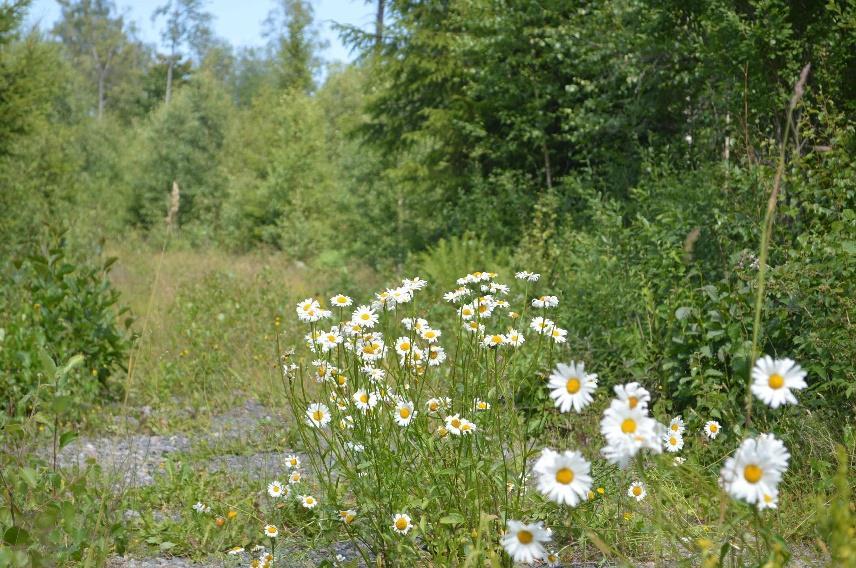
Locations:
{"points": [[64, 307]]}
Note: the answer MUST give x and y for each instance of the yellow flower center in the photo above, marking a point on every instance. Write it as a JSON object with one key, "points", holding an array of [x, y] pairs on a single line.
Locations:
{"points": [[776, 381], [455, 423], [496, 339], [714, 428], [365, 317], [628, 426], [317, 415], [401, 524], [573, 385], [752, 473], [564, 476], [309, 500], [364, 398], [632, 401], [405, 346], [342, 379], [404, 412], [637, 491], [433, 406], [673, 441], [525, 537], [675, 427]]}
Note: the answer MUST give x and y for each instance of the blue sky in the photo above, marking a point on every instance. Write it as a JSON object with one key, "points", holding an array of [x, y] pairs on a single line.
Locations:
{"points": [[238, 21]]}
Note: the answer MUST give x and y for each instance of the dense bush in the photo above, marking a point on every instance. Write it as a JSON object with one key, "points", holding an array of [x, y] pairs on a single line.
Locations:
{"points": [[57, 304]]}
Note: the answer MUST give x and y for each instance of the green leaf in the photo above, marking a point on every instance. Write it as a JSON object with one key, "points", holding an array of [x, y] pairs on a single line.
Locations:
{"points": [[66, 438], [452, 519], [16, 536], [167, 545]]}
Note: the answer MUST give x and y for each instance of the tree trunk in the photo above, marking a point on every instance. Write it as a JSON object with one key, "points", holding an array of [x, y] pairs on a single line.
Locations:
{"points": [[101, 80], [381, 5], [169, 81]]}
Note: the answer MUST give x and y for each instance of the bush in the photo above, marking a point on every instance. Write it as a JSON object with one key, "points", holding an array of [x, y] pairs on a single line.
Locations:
{"points": [[54, 303]]}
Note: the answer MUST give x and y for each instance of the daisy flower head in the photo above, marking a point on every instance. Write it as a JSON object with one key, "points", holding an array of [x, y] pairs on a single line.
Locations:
{"points": [[774, 379], [494, 340], [712, 429], [434, 404], [235, 550], [633, 394], [545, 302], [453, 424], [542, 325], [436, 355], [474, 327], [514, 338], [309, 310], [403, 346], [481, 405], [637, 490], [468, 312], [673, 441], [528, 276], [572, 387], [753, 473], [364, 400], [431, 335], [365, 317], [559, 335], [525, 543], [318, 414], [414, 283], [347, 516], [628, 430], [467, 427], [404, 413], [455, 296], [341, 301], [676, 426], [292, 461], [308, 501], [563, 478], [200, 507], [271, 531], [275, 489], [552, 558], [401, 523], [384, 301], [294, 477], [401, 295]]}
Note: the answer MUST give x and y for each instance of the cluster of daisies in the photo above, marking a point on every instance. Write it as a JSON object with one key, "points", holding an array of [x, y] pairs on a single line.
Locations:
{"points": [[354, 344], [752, 474]]}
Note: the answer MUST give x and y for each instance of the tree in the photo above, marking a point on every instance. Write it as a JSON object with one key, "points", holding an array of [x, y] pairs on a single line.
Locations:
{"points": [[97, 39], [294, 41], [187, 26]]}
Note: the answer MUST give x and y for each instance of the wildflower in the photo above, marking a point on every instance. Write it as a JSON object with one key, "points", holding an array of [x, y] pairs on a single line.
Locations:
{"points": [[480, 404], [330, 339], [601, 491], [400, 295], [355, 447], [365, 401], [552, 558], [468, 311], [308, 501], [231, 514], [401, 523], [572, 386], [753, 473], [455, 296], [442, 431], [673, 441], [294, 477], [474, 327], [433, 404], [235, 550], [201, 508], [346, 423], [431, 335], [545, 302], [677, 425], [542, 325], [414, 283], [364, 316], [453, 424], [318, 415], [275, 489], [563, 478], [309, 310], [637, 490], [633, 394], [773, 380], [559, 335], [494, 340], [467, 427], [524, 543], [678, 461], [436, 355], [340, 301], [271, 531], [347, 516], [514, 338], [528, 276], [404, 413], [628, 430], [712, 429]]}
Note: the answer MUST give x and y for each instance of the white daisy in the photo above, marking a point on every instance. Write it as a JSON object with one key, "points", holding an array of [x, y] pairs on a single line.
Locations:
{"points": [[401, 523], [468, 311], [318, 415], [453, 424], [572, 386], [235, 550], [514, 338], [431, 335], [467, 427], [542, 325], [404, 413], [347, 516], [563, 478], [365, 401], [528, 276], [545, 302], [434, 404], [309, 310], [525, 543], [340, 301], [271, 531], [628, 430], [308, 501], [481, 405], [773, 380], [294, 477], [494, 340], [365, 317], [403, 346], [637, 490], [712, 429], [201, 508], [559, 335], [677, 425], [673, 441], [414, 283], [633, 394], [275, 489], [753, 473], [436, 355]]}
